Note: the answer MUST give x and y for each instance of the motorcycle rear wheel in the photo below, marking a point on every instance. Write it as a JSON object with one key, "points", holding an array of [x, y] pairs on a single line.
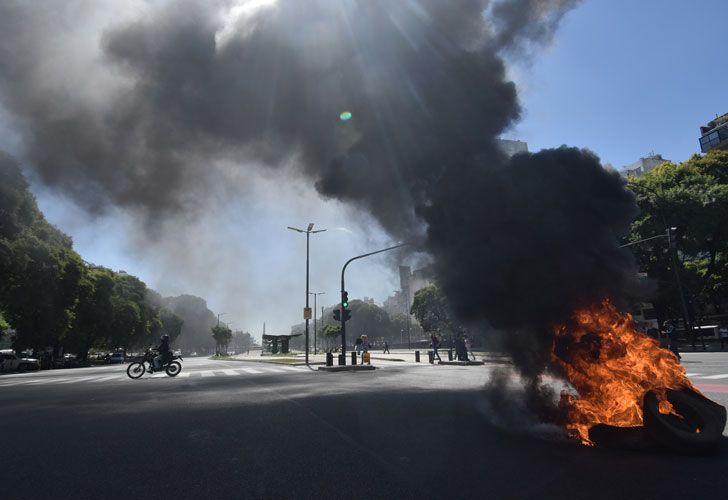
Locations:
{"points": [[135, 370], [173, 368]]}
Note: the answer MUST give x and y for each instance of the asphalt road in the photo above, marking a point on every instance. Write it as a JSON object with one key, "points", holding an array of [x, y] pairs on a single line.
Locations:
{"points": [[246, 430]]}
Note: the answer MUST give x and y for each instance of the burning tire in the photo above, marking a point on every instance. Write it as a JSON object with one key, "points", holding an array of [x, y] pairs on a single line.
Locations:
{"points": [[697, 428]]}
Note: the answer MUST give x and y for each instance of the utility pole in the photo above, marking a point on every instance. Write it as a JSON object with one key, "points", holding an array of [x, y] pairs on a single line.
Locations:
{"points": [[307, 310], [315, 329]]}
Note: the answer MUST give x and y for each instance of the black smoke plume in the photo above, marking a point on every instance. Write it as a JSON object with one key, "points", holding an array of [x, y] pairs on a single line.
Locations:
{"points": [[392, 106]]}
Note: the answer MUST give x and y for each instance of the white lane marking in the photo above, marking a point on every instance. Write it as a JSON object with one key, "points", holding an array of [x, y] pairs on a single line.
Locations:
{"points": [[184, 375], [207, 373], [293, 369], [693, 374], [77, 379], [251, 370], [274, 370], [21, 382], [715, 377], [229, 372], [111, 377]]}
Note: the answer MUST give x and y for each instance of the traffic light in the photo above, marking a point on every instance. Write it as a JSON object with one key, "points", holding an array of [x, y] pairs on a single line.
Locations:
{"points": [[347, 314], [337, 314], [345, 299]]}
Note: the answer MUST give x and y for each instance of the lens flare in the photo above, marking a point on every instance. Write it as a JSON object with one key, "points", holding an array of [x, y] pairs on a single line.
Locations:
{"points": [[345, 116]]}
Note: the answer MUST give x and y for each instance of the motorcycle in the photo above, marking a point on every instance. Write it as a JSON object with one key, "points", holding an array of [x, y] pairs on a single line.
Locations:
{"points": [[171, 366]]}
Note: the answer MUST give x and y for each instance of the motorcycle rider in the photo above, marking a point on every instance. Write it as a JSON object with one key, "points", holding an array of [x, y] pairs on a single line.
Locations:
{"points": [[163, 352]]}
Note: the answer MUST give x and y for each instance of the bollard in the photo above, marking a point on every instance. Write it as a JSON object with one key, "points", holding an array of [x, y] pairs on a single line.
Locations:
{"points": [[431, 356], [449, 354], [342, 359], [353, 358], [417, 356], [329, 359]]}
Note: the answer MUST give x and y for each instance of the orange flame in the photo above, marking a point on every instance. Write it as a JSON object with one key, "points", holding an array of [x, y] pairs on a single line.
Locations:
{"points": [[611, 366]]}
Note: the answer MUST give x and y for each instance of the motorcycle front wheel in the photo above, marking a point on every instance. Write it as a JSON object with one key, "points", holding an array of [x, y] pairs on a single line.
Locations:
{"points": [[173, 368], [135, 370]]}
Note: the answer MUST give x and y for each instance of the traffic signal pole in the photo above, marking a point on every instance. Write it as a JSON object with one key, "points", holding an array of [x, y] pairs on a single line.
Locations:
{"points": [[344, 294]]}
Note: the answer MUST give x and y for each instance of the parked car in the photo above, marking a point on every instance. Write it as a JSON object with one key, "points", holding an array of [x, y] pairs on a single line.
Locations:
{"points": [[12, 362], [116, 358]]}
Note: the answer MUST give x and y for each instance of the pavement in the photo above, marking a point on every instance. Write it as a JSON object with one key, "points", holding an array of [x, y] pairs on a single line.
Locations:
{"points": [[243, 429]]}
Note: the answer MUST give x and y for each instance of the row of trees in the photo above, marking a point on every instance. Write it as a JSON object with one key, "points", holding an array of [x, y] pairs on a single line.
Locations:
{"points": [[366, 318], [693, 197], [51, 298]]}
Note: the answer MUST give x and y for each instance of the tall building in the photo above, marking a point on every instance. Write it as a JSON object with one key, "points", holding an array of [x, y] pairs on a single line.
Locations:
{"points": [[642, 166], [511, 147], [714, 135]]}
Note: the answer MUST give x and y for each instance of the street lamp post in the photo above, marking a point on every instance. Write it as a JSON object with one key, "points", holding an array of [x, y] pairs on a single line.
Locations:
{"points": [[217, 346], [315, 326], [308, 232]]}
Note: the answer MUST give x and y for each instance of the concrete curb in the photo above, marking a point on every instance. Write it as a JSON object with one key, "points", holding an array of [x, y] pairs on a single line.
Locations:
{"points": [[347, 368], [461, 363]]}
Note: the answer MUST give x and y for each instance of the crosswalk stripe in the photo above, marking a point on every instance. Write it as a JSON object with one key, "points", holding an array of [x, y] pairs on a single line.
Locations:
{"points": [[20, 382], [292, 368], [274, 370], [78, 379], [110, 377], [207, 373], [230, 372], [693, 374], [251, 370], [184, 375], [715, 377]]}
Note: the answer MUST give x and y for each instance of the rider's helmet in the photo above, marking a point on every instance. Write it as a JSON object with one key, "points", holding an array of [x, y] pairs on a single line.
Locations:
{"points": [[165, 337]]}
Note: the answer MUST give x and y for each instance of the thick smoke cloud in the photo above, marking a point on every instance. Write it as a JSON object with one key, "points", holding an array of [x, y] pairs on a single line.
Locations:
{"points": [[525, 244], [267, 80], [185, 85]]}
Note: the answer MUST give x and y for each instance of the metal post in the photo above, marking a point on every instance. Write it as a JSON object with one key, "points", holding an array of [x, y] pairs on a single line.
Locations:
{"points": [[343, 289], [308, 234], [323, 324], [673, 257], [409, 341]]}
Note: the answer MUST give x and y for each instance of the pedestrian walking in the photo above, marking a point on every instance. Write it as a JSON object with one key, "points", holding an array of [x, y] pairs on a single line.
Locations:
{"points": [[435, 346], [723, 334], [386, 348], [671, 334], [365, 343], [357, 344], [469, 347]]}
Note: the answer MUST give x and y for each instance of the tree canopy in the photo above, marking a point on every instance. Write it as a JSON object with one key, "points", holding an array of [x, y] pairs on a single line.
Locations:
{"points": [[433, 311], [53, 299], [693, 197]]}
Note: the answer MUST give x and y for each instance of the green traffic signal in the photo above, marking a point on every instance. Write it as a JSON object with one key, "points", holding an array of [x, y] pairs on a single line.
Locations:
{"points": [[344, 299]]}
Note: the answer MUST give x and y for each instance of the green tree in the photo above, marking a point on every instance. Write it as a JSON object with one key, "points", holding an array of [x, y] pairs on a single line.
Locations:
{"points": [[40, 273], [93, 312], [242, 341], [222, 335], [692, 196], [433, 312], [197, 319]]}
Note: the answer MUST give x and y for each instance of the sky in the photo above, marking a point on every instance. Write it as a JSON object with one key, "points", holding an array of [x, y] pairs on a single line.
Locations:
{"points": [[620, 78]]}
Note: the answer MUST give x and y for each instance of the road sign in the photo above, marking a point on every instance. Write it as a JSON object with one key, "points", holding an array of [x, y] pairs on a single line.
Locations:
{"points": [[307, 313]]}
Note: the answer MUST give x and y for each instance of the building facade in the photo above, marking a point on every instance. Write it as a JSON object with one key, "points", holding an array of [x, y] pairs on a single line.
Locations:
{"points": [[714, 135], [642, 166]]}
